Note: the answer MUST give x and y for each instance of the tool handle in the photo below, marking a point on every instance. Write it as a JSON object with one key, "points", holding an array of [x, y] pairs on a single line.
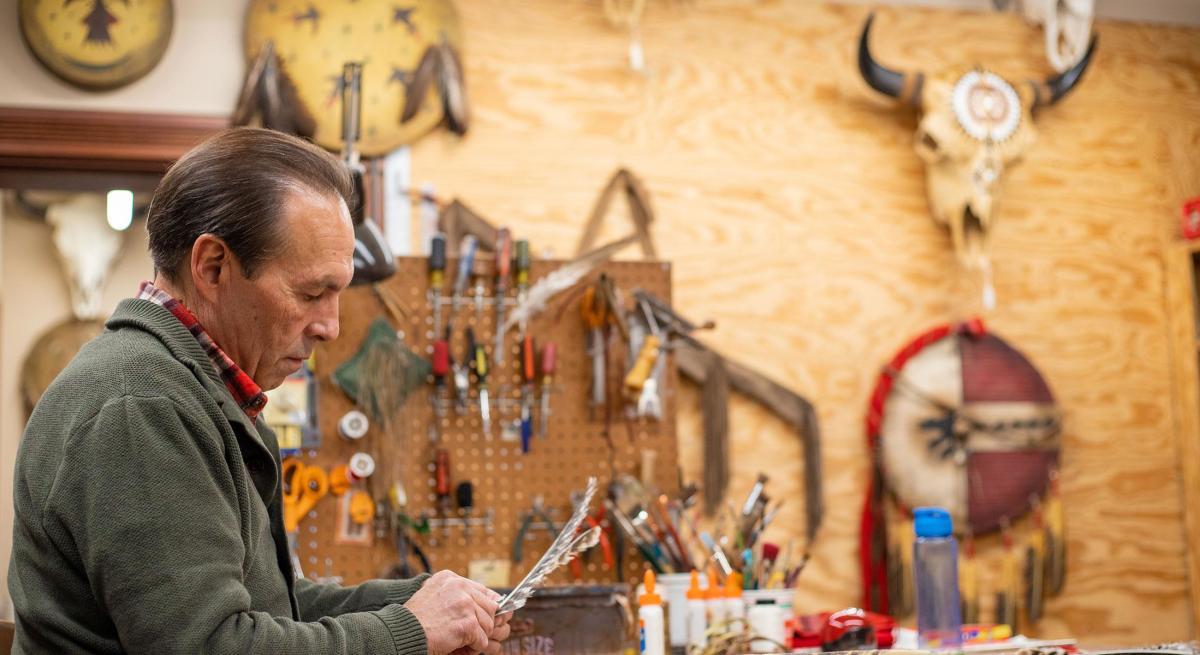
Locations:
{"points": [[527, 368], [522, 262], [636, 378], [466, 261], [481, 362], [549, 360], [437, 261], [441, 358], [464, 495], [503, 259], [441, 475]]}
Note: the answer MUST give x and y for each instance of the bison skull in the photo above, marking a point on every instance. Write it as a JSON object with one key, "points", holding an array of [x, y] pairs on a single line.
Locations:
{"points": [[974, 125]]}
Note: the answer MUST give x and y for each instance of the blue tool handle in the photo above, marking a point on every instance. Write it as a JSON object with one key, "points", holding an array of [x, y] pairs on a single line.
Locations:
{"points": [[526, 433]]}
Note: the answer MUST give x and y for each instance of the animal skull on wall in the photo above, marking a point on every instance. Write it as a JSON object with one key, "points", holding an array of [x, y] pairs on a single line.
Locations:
{"points": [[86, 246], [974, 124]]}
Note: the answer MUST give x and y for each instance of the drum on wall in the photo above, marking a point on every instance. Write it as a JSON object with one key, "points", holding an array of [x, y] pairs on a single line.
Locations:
{"points": [[97, 44], [965, 421], [314, 38]]}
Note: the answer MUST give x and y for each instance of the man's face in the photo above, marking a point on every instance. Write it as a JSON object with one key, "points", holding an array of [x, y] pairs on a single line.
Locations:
{"points": [[270, 323]]}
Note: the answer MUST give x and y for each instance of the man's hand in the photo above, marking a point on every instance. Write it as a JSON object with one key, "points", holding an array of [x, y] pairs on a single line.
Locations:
{"points": [[458, 615]]}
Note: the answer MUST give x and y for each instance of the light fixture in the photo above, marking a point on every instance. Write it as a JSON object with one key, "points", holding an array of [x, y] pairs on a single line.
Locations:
{"points": [[120, 209]]}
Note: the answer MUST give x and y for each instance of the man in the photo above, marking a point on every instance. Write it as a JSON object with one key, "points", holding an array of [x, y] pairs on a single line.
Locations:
{"points": [[147, 491]]}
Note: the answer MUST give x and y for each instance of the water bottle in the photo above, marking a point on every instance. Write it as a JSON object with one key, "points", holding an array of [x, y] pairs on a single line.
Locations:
{"points": [[935, 560]]}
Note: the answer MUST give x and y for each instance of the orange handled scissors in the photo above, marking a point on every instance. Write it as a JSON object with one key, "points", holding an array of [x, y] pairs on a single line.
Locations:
{"points": [[303, 486]]}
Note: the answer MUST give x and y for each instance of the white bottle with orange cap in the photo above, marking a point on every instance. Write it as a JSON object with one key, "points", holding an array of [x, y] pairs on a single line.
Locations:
{"points": [[650, 620], [697, 613], [716, 600], [735, 605]]}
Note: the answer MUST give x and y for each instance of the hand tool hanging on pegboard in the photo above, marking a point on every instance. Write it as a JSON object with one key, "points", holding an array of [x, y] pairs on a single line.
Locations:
{"points": [[503, 263]]}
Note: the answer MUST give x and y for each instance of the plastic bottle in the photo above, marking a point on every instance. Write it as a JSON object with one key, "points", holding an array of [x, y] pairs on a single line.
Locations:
{"points": [[735, 606], [716, 600], [935, 574], [697, 613], [650, 620], [767, 620]]}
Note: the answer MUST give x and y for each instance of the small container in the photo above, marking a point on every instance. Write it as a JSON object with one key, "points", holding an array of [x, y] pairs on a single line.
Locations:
{"points": [[674, 590], [735, 606], [767, 620], [935, 576], [716, 600], [651, 630], [697, 613]]}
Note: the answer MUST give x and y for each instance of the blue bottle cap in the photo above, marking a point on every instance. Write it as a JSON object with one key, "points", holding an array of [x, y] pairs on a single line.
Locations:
{"points": [[932, 522]]}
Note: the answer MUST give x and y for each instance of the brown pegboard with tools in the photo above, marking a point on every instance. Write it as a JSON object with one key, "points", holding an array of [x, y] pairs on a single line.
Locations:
{"points": [[505, 480]]}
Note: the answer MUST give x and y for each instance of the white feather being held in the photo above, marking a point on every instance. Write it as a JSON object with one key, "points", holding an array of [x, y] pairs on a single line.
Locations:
{"points": [[567, 545]]}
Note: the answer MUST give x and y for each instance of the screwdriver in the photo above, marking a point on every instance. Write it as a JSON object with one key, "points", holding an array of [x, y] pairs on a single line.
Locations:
{"points": [[481, 373], [462, 381], [441, 368], [466, 261], [527, 374], [464, 494], [503, 264], [437, 278], [441, 481], [522, 262], [549, 363]]}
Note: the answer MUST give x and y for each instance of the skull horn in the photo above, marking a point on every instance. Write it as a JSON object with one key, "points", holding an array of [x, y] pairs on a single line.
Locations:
{"points": [[880, 77], [29, 207], [1054, 88]]}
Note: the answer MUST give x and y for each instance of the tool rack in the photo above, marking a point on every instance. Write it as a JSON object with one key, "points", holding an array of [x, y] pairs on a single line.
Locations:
{"points": [[505, 480]]}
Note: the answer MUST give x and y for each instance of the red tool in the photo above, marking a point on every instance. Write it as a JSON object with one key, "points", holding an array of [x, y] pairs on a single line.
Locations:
{"points": [[441, 369], [441, 480]]}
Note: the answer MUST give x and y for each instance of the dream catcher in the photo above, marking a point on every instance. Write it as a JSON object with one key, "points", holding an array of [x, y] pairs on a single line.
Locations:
{"points": [[962, 420]]}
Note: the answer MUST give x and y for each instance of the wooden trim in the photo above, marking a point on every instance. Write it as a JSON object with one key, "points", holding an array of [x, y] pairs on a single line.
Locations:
{"points": [[1185, 352], [68, 141]]}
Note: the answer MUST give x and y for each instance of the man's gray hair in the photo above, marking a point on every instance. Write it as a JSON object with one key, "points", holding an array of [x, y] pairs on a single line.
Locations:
{"points": [[233, 186]]}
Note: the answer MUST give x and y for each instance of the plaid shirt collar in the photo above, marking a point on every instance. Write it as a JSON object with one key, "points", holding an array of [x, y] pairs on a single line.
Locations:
{"points": [[249, 396]]}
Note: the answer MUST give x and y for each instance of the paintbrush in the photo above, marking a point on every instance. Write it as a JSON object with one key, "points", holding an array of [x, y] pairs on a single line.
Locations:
{"points": [[770, 552]]}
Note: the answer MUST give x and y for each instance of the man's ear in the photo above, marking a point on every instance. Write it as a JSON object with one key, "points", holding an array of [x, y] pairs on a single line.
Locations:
{"points": [[210, 265]]}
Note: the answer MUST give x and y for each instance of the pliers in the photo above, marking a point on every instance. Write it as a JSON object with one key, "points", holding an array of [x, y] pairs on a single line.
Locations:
{"points": [[537, 511], [606, 548]]}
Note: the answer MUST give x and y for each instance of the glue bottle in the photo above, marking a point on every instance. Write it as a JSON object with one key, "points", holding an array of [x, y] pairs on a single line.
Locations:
{"points": [[735, 606], [935, 575], [697, 613], [717, 612], [650, 619]]}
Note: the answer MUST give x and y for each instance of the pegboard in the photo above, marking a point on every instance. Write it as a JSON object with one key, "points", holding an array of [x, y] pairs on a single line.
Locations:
{"points": [[504, 479]]}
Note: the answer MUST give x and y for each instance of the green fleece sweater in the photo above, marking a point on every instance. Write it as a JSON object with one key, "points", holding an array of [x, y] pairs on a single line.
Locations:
{"points": [[149, 517]]}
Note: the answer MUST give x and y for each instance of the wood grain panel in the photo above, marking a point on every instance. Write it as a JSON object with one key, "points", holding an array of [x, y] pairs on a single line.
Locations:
{"points": [[793, 210]]}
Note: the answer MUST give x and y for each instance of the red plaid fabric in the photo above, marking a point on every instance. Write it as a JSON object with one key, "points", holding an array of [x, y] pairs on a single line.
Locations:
{"points": [[249, 396]]}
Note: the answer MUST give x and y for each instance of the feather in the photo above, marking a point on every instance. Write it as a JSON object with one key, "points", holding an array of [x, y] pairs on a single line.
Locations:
{"points": [[566, 545], [279, 101], [561, 279], [418, 85], [244, 111], [1056, 543], [453, 89], [300, 120]]}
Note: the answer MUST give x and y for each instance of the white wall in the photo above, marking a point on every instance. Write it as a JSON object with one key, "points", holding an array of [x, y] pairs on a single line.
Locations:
{"points": [[200, 73]]}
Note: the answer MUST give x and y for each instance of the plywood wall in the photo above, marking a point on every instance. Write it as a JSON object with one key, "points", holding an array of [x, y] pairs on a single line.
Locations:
{"points": [[793, 209]]}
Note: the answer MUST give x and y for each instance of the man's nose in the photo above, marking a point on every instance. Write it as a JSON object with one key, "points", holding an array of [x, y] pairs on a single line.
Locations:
{"points": [[324, 326]]}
